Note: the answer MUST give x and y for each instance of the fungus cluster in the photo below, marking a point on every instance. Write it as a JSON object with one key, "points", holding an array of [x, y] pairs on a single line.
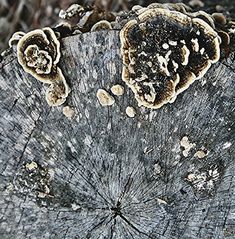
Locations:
{"points": [[39, 53], [88, 18], [164, 50]]}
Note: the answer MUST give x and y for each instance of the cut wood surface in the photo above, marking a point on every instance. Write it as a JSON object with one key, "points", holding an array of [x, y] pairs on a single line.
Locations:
{"points": [[164, 174]]}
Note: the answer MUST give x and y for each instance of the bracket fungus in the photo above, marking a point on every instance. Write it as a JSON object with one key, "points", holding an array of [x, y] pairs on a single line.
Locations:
{"points": [[39, 53], [57, 92], [15, 38], [101, 25], [164, 50]]}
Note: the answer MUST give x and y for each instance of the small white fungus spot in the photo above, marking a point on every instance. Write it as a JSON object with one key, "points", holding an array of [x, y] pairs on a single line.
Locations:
{"points": [[176, 65], [157, 169], [165, 46], [186, 54], [68, 112], [186, 145], [202, 51], [75, 207], [195, 44], [117, 90], [105, 98], [130, 111], [163, 64], [172, 43], [232, 30], [160, 201], [200, 154], [31, 166], [149, 63]]}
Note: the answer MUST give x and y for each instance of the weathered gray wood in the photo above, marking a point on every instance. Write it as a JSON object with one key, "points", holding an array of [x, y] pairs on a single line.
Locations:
{"points": [[114, 177]]}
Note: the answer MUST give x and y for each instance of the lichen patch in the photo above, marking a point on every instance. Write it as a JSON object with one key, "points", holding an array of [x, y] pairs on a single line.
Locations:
{"points": [[204, 180]]}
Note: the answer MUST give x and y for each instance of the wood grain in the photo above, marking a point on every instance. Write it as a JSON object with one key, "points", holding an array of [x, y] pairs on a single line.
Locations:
{"points": [[105, 175]]}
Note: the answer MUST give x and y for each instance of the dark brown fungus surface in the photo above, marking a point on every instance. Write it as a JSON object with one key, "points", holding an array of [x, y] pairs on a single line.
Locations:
{"points": [[164, 51], [63, 29], [39, 53]]}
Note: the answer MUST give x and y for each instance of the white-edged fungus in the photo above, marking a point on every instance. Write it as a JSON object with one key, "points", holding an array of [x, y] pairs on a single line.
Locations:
{"points": [[57, 92], [63, 29], [130, 111], [105, 98], [38, 53], [101, 25], [225, 38], [219, 18], [15, 38], [155, 76], [117, 90]]}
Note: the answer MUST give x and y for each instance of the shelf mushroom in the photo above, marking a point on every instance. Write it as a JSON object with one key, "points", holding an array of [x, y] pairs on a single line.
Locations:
{"points": [[164, 51], [39, 53]]}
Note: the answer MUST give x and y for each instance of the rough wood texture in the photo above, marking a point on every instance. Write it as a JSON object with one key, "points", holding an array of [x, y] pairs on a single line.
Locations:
{"points": [[104, 175]]}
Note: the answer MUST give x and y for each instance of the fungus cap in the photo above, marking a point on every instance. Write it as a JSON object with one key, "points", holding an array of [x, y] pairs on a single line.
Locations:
{"points": [[38, 53], [72, 11], [105, 98], [117, 90], [219, 18], [101, 25], [57, 93], [130, 111], [164, 51], [15, 38]]}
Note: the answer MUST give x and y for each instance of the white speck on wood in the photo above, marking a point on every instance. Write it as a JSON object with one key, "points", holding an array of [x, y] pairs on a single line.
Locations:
{"points": [[186, 145]]}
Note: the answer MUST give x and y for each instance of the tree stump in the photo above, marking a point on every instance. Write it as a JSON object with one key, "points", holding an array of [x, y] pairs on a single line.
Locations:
{"points": [[165, 174]]}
